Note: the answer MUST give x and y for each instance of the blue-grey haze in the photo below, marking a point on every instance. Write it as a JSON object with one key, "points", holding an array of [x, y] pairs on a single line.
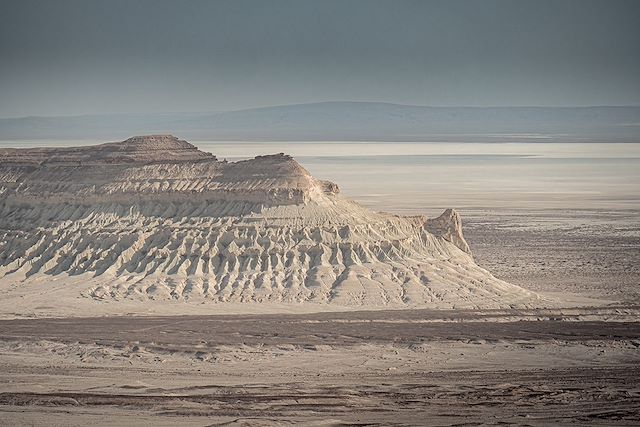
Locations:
{"points": [[70, 57]]}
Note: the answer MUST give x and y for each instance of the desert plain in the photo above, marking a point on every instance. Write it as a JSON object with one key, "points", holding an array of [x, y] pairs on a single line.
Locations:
{"points": [[569, 359]]}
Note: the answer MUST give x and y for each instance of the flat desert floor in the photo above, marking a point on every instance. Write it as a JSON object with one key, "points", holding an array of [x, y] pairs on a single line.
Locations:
{"points": [[593, 253], [571, 366], [366, 368]]}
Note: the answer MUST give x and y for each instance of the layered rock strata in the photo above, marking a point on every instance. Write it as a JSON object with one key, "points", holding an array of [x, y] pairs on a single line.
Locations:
{"points": [[154, 218]]}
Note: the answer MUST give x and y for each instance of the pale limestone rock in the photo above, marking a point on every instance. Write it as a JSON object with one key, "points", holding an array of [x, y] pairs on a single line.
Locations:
{"points": [[155, 219]]}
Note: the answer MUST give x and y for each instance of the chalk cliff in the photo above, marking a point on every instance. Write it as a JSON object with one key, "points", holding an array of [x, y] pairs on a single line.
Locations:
{"points": [[153, 218]]}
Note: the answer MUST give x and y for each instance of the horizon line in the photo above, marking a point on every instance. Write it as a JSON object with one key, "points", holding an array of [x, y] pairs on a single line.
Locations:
{"points": [[214, 112]]}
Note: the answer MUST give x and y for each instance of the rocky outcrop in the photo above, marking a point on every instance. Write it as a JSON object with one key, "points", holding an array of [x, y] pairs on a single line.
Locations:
{"points": [[155, 219], [449, 226], [153, 168], [139, 150]]}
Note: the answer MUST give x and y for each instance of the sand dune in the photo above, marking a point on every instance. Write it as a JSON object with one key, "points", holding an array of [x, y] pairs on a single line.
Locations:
{"points": [[153, 219]]}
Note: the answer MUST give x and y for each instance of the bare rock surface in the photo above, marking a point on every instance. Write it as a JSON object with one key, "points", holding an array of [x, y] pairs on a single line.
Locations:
{"points": [[449, 226], [152, 219], [138, 149]]}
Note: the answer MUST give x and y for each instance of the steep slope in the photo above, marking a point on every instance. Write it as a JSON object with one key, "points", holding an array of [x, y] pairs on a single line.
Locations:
{"points": [[154, 219]]}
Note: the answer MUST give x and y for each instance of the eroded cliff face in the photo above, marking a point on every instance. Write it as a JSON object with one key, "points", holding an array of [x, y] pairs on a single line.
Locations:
{"points": [[449, 226], [154, 218], [143, 169]]}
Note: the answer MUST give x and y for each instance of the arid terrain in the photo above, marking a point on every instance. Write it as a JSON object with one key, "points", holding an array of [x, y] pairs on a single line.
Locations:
{"points": [[364, 368], [254, 213], [593, 252], [549, 337], [408, 367], [140, 225]]}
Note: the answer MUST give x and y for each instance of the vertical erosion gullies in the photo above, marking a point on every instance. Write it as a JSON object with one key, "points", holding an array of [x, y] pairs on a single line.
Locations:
{"points": [[153, 218]]}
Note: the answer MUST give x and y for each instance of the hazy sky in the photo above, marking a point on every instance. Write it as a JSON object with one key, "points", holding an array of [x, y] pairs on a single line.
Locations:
{"points": [[80, 57]]}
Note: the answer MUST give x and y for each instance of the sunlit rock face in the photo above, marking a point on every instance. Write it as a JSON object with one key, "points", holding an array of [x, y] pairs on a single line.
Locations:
{"points": [[154, 218]]}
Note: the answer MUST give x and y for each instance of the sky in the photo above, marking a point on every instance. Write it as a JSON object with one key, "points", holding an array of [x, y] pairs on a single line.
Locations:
{"points": [[140, 56]]}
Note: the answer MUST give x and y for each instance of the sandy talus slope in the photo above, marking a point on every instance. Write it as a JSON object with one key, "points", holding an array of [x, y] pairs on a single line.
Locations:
{"points": [[153, 219]]}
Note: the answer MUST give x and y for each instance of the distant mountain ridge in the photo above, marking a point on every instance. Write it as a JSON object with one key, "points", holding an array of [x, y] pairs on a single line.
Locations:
{"points": [[359, 121]]}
